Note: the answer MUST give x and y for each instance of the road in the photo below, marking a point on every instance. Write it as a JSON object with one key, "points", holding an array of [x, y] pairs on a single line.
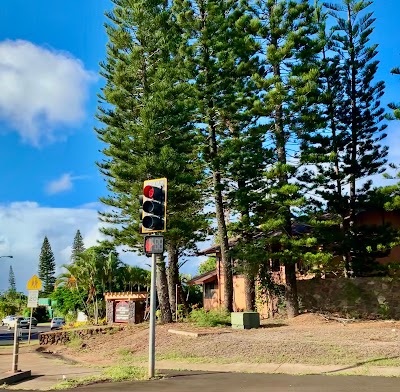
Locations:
{"points": [[236, 382], [5, 334]]}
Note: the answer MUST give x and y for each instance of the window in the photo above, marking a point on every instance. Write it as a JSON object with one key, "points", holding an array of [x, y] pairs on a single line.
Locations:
{"points": [[209, 290]]}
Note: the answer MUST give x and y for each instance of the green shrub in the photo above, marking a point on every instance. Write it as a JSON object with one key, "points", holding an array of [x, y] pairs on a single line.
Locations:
{"points": [[211, 318]]}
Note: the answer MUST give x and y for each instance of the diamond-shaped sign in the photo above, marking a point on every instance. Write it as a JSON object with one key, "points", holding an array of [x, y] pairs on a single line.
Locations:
{"points": [[34, 283]]}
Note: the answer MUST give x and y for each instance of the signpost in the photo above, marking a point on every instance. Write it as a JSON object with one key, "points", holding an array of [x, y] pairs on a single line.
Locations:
{"points": [[34, 285]]}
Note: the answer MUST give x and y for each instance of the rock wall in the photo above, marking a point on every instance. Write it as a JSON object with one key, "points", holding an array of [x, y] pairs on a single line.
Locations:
{"points": [[370, 298], [63, 336], [110, 312]]}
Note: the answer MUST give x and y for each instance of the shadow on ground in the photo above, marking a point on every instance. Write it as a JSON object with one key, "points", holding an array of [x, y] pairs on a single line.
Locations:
{"points": [[358, 364]]}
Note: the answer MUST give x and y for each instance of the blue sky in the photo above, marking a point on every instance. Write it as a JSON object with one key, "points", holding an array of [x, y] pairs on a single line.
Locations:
{"points": [[49, 56]]}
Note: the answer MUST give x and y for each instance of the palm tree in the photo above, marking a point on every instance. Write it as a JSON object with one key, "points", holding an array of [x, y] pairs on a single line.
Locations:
{"points": [[95, 272], [73, 279], [111, 268]]}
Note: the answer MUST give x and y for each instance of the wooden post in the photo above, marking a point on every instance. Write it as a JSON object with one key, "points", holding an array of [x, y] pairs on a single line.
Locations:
{"points": [[15, 349]]}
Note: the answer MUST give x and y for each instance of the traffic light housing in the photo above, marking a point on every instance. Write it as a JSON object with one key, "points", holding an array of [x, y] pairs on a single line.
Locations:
{"points": [[153, 244], [153, 201]]}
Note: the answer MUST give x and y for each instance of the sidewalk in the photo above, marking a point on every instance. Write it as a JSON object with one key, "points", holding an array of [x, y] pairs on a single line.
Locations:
{"points": [[48, 370]]}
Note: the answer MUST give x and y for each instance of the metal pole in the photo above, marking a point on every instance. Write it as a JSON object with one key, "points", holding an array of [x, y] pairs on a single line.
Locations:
{"points": [[152, 331], [30, 327], [16, 349]]}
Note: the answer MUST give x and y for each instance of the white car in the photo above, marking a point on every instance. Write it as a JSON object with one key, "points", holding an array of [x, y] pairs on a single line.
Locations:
{"points": [[6, 320], [57, 322], [20, 321]]}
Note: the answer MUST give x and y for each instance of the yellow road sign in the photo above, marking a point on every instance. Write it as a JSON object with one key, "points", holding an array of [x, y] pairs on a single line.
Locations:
{"points": [[34, 283]]}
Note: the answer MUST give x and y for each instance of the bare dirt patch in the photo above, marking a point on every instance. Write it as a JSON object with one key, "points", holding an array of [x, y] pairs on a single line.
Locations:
{"points": [[307, 339]]}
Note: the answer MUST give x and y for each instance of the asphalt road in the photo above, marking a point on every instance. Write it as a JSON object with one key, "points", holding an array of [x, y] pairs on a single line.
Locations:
{"points": [[236, 382], [5, 334]]}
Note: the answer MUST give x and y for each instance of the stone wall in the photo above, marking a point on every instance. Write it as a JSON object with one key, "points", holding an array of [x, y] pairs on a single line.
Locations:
{"points": [[63, 336], [369, 298]]}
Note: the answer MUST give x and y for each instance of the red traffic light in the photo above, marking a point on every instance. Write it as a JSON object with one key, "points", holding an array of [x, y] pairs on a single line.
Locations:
{"points": [[148, 191], [153, 206], [153, 192]]}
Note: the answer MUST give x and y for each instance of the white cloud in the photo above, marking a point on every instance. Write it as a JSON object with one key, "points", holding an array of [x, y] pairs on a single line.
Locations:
{"points": [[62, 184], [42, 90], [25, 224]]}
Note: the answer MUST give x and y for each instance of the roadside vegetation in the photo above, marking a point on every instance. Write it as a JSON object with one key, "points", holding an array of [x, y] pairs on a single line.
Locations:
{"points": [[212, 318], [268, 119], [112, 373]]}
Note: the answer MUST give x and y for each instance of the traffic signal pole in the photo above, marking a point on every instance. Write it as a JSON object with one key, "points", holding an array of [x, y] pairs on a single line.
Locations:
{"points": [[153, 219], [152, 331]]}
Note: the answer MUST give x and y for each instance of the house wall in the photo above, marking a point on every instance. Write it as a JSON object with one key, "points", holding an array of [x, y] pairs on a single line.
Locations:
{"points": [[380, 218], [369, 298], [239, 299], [210, 295], [216, 298]]}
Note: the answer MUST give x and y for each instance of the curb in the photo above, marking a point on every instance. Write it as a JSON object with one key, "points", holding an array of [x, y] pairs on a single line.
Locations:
{"points": [[12, 378]]}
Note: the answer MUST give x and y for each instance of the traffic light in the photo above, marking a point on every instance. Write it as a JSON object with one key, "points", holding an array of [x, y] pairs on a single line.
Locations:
{"points": [[153, 213]]}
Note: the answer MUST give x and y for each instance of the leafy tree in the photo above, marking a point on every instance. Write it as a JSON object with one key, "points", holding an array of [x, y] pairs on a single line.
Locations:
{"points": [[148, 131], [350, 148], [67, 300], [95, 271], [11, 281], [47, 267], [78, 246], [216, 43], [288, 82], [7, 308], [207, 265]]}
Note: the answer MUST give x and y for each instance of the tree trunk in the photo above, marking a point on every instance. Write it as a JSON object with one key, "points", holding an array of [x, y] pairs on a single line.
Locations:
{"points": [[249, 292], [224, 245], [183, 300], [173, 277], [292, 303], [162, 290]]}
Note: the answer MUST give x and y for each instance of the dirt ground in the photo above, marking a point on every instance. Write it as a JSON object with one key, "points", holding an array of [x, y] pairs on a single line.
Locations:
{"points": [[307, 339]]}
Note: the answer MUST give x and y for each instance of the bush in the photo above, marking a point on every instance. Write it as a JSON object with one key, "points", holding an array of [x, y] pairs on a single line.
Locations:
{"points": [[211, 318]]}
